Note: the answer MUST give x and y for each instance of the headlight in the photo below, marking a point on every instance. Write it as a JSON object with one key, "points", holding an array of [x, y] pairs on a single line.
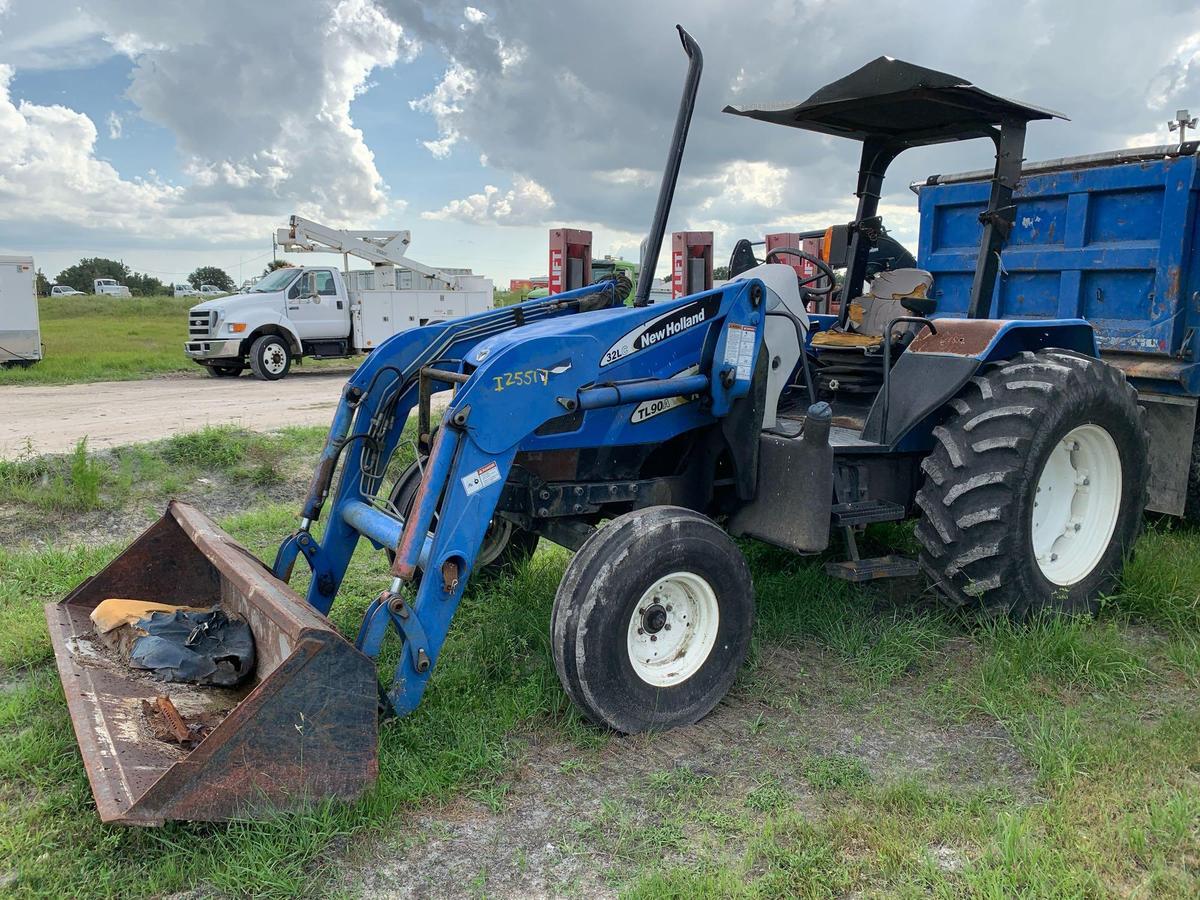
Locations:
{"points": [[237, 327]]}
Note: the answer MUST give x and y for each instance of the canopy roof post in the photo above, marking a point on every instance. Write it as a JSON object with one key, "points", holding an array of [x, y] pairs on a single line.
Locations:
{"points": [[998, 218], [877, 155]]}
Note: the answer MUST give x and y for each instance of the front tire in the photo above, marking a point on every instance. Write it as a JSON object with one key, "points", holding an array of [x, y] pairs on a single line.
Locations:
{"points": [[652, 620], [1035, 488], [270, 358]]}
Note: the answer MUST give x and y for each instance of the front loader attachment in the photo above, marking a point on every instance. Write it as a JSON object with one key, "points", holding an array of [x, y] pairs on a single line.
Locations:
{"points": [[303, 728]]}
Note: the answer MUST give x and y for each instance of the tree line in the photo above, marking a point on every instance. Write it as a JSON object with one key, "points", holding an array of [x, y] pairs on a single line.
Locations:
{"points": [[81, 276]]}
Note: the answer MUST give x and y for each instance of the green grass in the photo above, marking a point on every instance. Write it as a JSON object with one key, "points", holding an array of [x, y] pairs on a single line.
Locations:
{"points": [[66, 483], [1103, 714], [81, 482], [108, 339], [115, 339]]}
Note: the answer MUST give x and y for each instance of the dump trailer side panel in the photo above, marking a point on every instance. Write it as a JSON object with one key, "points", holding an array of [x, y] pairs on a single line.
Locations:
{"points": [[1114, 241]]}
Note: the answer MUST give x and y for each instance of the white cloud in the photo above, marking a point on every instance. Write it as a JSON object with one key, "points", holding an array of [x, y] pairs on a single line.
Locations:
{"points": [[474, 16], [751, 183], [50, 178], [1173, 77], [628, 175], [526, 203], [263, 129], [444, 103]]}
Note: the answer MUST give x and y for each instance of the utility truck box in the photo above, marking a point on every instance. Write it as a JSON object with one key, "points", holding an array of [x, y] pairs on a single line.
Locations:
{"points": [[320, 312], [1111, 238], [20, 333]]}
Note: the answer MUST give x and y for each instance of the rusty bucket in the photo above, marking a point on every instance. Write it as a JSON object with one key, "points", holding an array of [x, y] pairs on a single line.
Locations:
{"points": [[304, 728]]}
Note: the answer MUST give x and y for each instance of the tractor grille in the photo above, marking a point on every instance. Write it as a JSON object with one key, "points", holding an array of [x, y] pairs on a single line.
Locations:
{"points": [[201, 322]]}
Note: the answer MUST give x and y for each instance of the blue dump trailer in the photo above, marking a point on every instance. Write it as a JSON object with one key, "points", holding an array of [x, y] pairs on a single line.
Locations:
{"points": [[1112, 238]]}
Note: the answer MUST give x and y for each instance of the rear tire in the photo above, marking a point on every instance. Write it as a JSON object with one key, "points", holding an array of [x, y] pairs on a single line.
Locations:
{"points": [[505, 544], [996, 536], [270, 358], [652, 620]]}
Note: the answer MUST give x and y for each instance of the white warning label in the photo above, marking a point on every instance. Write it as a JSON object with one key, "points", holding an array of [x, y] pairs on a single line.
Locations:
{"points": [[480, 478], [739, 349]]}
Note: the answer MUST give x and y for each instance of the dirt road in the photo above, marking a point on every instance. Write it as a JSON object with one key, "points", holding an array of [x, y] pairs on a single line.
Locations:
{"points": [[51, 419]]}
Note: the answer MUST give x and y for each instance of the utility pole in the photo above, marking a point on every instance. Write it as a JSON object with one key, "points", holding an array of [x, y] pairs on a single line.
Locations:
{"points": [[1183, 121]]}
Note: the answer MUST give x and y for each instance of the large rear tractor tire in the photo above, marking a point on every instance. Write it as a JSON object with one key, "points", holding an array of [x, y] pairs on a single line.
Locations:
{"points": [[505, 544], [652, 620], [1034, 491]]}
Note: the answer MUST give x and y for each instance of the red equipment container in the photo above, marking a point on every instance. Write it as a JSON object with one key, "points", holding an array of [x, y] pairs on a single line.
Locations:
{"points": [[570, 259], [796, 241], [691, 262]]}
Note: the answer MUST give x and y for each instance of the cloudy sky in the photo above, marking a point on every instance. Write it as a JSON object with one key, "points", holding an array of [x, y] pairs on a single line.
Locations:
{"points": [[174, 133]]}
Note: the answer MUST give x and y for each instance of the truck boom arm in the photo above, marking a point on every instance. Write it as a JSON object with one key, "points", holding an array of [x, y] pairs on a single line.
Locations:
{"points": [[386, 248]]}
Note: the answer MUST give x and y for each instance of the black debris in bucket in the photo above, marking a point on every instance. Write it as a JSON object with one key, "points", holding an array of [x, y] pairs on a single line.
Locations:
{"points": [[205, 647]]}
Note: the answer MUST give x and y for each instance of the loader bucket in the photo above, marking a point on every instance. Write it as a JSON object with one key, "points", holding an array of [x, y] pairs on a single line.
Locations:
{"points": [[303, 728]]}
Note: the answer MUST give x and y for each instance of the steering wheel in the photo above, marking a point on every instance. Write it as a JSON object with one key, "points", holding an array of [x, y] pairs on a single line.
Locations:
{"points": [[823, 271]]}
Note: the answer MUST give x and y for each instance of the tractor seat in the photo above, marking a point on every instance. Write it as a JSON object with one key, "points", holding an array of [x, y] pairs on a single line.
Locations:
{"points": [[899, 292]]}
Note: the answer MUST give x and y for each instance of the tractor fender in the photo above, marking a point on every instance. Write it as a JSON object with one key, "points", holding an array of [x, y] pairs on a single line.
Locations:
{"points": [[935, 367], [988, 340]]}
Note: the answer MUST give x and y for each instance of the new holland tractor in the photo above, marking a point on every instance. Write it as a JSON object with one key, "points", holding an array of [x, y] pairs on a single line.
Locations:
{"points": [[645, 438]]}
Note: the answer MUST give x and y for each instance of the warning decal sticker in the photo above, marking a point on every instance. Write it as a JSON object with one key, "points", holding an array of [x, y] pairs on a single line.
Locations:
{"points": [[480, 478], [739, 349]]}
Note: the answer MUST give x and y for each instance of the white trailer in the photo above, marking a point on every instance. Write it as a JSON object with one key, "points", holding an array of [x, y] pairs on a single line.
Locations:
{"points": [[319, 312], [20, 332]]}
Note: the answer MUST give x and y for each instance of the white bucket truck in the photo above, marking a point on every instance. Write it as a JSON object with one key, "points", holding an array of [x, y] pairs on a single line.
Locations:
{"points": [[320, 312]]}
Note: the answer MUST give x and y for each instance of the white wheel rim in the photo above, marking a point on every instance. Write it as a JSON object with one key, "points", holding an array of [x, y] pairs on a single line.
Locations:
{"points": [[274, 359], [1076, 504], [673, 629]]}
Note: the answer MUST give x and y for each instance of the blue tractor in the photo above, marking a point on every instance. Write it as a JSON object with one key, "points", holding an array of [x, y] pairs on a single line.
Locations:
{"points": [[645, 438]]}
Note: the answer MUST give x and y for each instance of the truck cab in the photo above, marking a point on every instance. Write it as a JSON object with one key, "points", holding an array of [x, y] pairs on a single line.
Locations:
{"points": [[109, 287], [289, 314]]}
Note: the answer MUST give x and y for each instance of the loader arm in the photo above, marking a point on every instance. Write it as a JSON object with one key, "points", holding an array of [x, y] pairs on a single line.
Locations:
{"points": [[510, 380]]}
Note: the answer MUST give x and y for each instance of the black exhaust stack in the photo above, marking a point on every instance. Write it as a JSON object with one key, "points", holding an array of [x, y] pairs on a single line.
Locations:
{"points": [[666, 191]]}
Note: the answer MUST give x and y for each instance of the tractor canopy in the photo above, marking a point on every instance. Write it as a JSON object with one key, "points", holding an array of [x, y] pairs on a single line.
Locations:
{"points": [[899, 102], [889, 106]]}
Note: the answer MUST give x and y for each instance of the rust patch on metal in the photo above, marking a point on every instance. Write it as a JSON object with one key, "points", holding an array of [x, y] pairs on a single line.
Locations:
{"points": [[168, 724], [962, 337], [1156, 368], [550, 465], [1173, 283], [449, 576]]}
